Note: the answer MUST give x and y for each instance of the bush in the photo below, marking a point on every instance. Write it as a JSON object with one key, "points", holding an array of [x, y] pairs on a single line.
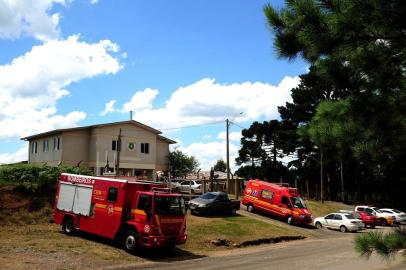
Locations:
{"points": [[36, 180]]}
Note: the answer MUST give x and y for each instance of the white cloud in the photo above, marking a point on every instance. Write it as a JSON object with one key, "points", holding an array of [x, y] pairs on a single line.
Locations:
{"points": [[109, 107], [232, 136], [20, 155], [29, 17], [141, 100], [205, 137], [207, 101], [31, 84], [208, 153], [94, 1]]}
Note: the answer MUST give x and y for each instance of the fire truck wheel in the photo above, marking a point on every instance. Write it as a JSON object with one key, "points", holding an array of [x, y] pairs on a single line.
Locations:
{"points": [[290, 220], [250, 208], [68, 226], [130, 241]]}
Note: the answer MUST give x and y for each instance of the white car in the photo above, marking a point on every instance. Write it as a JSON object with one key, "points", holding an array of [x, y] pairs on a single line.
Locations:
{"points": [[340, 221], [399, 216], [190, 186]]}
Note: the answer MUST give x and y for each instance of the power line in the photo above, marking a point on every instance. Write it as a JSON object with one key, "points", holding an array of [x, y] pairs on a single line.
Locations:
{"points": [[192, 126]]}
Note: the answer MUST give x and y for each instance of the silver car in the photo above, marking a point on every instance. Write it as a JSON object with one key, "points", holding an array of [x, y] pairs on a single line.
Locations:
{"points": [[190, 186], [341, 221]]}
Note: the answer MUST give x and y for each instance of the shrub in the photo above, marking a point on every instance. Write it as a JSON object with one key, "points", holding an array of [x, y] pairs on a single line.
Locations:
{"points": [[36, 180]]}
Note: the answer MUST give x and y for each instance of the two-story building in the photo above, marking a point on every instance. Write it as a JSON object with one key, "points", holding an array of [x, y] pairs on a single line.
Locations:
{"points": [[143, 150]]}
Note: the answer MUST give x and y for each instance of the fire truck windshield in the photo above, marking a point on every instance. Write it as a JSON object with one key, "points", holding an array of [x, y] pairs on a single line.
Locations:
{"points": [[169, 205]]}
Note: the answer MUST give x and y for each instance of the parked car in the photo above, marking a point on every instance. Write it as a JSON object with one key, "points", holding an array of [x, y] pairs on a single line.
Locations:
{"points": [[383, 218], [174, 184], [190, 186], [368, 219], [399, 215], [340, 221], [214, 202]]}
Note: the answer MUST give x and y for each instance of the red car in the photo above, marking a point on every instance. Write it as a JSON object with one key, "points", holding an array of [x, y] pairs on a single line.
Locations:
{"points": [[368, 219]]}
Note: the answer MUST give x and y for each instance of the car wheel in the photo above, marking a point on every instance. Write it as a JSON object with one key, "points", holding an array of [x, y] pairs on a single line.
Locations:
{"points": [[68, 226], [130, 241], [192, 191], [318, 225], [250, 208], [372, 226], [290, 220], [383, 222], [343, 229], [233, 211]]}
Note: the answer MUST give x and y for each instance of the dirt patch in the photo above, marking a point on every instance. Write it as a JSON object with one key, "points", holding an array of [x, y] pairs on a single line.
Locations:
{"points": [[11, 199]]}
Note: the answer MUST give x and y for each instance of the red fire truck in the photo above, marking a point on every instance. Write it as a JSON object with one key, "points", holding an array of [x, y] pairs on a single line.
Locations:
{"points": [[140, 213], [277, 200]]}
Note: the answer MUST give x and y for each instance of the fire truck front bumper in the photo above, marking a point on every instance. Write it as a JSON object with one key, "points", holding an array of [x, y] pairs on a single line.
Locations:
{"points": [[163, 241]]}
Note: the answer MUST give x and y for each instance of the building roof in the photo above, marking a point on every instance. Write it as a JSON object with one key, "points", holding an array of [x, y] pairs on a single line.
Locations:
{"points": [[166, 139], [138, 124]]}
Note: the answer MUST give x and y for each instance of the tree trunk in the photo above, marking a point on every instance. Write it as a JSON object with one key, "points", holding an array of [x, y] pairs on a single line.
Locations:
{"points": [[321, 176], [342, 181]]}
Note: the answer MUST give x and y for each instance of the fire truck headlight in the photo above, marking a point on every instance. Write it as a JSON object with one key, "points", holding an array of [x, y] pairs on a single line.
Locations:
{"points": [[147, 228]]}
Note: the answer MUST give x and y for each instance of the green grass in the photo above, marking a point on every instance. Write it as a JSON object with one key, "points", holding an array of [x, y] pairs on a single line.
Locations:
{"points": [[318, 209], [235, 229]]}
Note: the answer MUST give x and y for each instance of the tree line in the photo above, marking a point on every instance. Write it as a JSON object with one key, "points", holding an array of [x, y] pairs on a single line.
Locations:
{"points": [[347, 118]]}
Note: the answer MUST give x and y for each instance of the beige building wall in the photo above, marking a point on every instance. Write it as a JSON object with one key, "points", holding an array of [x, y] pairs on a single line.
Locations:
{"points": [[75, 147], [101, 147], [51, 156], [162, 153]]}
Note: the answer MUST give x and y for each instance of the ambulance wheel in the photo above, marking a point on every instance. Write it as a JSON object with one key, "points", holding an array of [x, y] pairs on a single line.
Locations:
{"points": [[290, 220], [68, 227], [250, 208], [130, 241]]}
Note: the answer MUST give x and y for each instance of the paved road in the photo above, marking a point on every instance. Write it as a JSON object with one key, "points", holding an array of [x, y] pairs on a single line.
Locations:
{"points": [[330, 254]]}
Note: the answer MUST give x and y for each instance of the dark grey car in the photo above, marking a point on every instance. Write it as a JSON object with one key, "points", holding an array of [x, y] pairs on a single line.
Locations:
{"points": [[214, 203]]}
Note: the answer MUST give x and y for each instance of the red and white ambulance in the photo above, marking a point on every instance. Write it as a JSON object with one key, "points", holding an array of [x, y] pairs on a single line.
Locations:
{"points": [[277, 200], [140, 213]]}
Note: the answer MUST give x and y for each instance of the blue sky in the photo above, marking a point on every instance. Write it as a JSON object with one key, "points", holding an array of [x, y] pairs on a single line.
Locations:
{"points": [[174, 63]]}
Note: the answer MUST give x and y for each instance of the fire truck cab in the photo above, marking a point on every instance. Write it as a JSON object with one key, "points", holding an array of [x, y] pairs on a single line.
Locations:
{"points": [[140, 213]]}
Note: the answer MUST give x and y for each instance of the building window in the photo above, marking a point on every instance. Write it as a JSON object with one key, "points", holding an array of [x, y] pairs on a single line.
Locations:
{"points": [[34, 147], [45, 146], [115, 146], [145, 148], [57, 143]]}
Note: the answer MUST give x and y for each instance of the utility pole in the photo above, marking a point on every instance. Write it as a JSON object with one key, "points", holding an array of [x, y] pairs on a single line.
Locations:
{"points": [[118, 149], [228, 156]]}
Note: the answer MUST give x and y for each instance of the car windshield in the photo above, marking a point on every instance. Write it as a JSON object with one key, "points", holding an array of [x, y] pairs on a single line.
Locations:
{"points": [[298, 202], [169, 205], [208, 196], [349, 216], [396, 211]]}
